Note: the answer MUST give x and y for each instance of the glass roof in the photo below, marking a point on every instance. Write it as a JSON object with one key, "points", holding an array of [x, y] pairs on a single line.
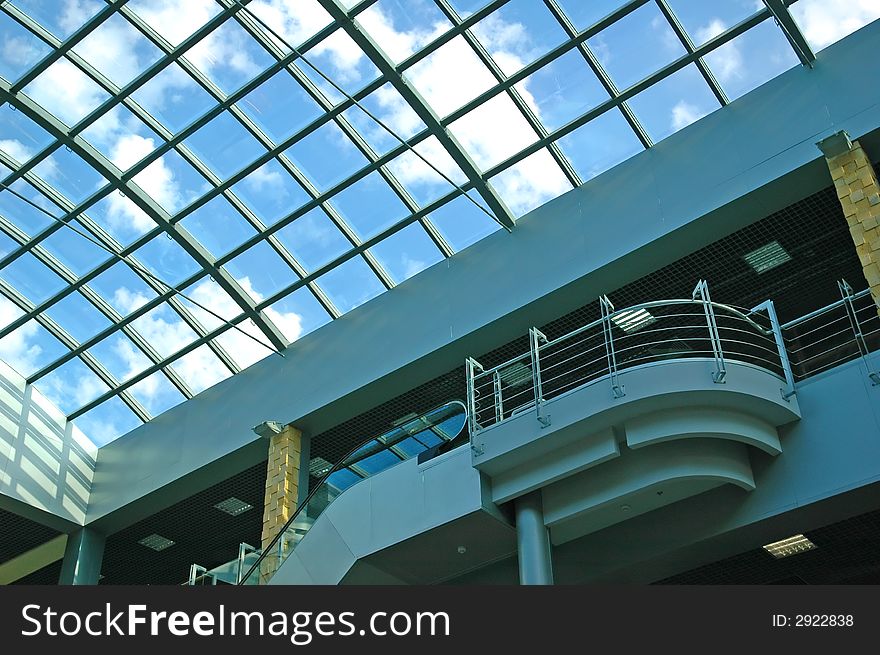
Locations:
{"points": [[190, 185]]}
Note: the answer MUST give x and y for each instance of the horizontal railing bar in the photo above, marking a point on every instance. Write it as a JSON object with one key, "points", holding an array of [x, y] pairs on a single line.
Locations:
{"points": [[822, 310]]}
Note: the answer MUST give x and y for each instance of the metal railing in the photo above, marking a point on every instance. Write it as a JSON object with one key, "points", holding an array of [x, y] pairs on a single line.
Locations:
{"points": [[622, 339], [446, 422], [844, 330]]}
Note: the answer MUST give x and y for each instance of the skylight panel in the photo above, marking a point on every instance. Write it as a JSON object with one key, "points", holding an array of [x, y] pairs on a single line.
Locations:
{"points": [[70, 175], [32, 278], [461, 223], [78, 317], [601, 144], [61, 23], [122, 289], [120, 356], [175, 22], [421, 178], [562, 90], [261, 271], [401, 29], [326, 156], [21, 49], [297, 314], [20, 137], [674, 103], [164, 258], [824, 22], [174, 98], [121, 137], [108, 421], [164, 329], [438, 77], [280, 120], [271, 192], [76, 253], [636, 46], [229, 56], [392, 110], [351, 284], [407, 252], [518, 33], [200, 369], [341, 59], [313, 239], [209, 294], [705, 20], [118, 50], [224, 145], [342, 480], [294, 22], [66, 92], [218, 226], [585, 14], [751, 59], [71, 386], [156, 393], [370, 206], [493, 132], [244, 350], [22, 214], [172, 182], [29, 347], [117, 215], [531, 182]]}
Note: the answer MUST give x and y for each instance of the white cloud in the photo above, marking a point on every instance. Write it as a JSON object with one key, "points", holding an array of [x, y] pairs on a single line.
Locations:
{"points": [[684, 113], [264, 179], [531, 182], [18, 349], [156, 180], [826, 21], [16, 149], [293, 20], [66, 92], [19, 51], [727, 61]]}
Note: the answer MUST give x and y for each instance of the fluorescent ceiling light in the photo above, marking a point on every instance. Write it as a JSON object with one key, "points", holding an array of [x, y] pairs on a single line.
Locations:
{"points": [[233, 506], [515, 375], [791, 546], [156, 542], [632, 320], [318, 466], [767, 257]]}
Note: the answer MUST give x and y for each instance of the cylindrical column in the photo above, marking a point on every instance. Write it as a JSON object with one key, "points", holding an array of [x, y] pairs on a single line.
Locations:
{"points": [[82, 558], [532, 541]]}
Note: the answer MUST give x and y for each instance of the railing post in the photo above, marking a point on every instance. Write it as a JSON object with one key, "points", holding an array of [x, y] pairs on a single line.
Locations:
{"points": [[846, 293], [471, 366], [776, 328], [498, 398], [617, 389], [244, 550], [702, 290], [536, 338]]}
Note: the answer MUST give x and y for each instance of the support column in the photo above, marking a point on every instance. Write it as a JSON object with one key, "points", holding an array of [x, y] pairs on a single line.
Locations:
{"points": [[859, 192], [83, 555], [532, 541], [282, 481]]}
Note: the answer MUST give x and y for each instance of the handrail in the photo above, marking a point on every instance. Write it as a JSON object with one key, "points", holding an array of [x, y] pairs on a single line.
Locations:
{"points": [[338, 466]]}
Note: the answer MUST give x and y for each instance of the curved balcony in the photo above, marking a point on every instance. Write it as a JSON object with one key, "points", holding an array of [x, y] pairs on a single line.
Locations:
{"points": [[642, 407]]}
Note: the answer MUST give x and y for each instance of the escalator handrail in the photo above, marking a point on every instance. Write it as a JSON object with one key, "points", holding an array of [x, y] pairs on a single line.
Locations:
{"points": [[339, 465]]}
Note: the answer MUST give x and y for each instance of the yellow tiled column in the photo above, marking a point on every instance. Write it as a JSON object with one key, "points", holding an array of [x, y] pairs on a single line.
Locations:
{"points": [[282, 481], [859, 193]]}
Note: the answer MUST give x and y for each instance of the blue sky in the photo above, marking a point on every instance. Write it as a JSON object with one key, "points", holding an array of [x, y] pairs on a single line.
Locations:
{"points": [[183, 182]]}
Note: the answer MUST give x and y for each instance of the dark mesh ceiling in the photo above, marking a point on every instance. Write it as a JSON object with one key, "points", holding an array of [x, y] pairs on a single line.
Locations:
{"points": [[18, 535]]}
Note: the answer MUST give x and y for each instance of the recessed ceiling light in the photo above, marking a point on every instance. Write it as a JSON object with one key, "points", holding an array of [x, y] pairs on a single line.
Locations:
{"points": [[791, 546], [233, 506], [632, 320], [156, 542], [515, 375], [318, 466], [767, 257]]}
